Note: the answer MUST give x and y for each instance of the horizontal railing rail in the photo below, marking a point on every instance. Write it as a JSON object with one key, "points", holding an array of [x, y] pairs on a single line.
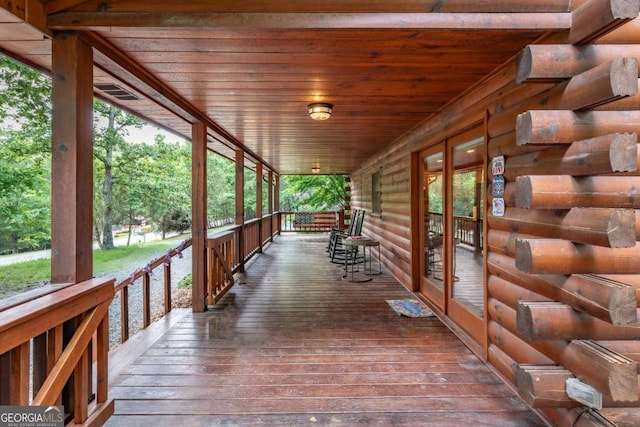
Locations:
{"points": [[54, 346], [310, 222]]}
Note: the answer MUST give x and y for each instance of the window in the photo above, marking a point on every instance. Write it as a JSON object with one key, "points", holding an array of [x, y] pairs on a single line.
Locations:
{"points": [[376, 193]]}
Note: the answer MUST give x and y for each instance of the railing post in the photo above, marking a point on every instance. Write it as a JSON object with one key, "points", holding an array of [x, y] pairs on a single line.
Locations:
{"points": [[241, 248], [260, 235], [167, 288]]}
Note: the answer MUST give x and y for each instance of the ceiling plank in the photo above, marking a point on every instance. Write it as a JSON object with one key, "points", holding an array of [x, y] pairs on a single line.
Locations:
{"points": [[469, 21], [179, 104]]}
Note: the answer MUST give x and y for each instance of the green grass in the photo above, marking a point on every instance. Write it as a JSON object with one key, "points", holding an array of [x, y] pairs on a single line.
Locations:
{"points": [[23, 275]]}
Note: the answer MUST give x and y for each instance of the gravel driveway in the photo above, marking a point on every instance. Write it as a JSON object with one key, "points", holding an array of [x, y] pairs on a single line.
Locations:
{"points": [[180, 267]]}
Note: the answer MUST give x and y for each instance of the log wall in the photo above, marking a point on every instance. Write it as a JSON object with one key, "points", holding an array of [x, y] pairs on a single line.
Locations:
{"points": [[563, 263]]}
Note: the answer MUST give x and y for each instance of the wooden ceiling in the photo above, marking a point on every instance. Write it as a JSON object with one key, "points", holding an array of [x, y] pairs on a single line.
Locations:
{"points": [[250, 68]]}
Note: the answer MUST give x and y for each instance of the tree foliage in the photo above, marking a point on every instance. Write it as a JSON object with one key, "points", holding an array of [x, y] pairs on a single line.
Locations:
{"points": [[133, 181], [25, 141], [312, 192]]}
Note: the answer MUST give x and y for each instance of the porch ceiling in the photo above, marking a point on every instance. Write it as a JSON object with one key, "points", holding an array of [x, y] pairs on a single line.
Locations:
{"points": [[252, 67]]}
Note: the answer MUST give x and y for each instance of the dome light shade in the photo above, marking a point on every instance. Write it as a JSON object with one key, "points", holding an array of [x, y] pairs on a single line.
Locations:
{"points": [[320, 111]]}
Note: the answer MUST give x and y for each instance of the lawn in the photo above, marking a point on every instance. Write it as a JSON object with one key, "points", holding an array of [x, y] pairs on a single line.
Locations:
{"points": [[22, 276]]}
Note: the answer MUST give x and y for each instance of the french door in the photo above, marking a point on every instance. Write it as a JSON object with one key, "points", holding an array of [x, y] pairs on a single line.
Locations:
{"points": [[452, 209]]}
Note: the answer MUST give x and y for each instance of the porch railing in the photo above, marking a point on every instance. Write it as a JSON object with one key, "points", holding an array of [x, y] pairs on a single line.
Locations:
{"points": [[467, 229], [122, 289], [311, 222], [54, 345], [228, 251]]}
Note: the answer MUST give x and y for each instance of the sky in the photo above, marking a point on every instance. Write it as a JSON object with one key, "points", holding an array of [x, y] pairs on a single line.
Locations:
{"points": [[147, 134]]}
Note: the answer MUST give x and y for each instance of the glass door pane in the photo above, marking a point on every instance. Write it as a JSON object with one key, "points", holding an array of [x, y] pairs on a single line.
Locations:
{"points": [[468, 195], [433, 226]]}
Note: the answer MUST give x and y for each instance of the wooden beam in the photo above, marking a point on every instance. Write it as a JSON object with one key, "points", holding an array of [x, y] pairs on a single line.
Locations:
{"points": [[626, 34], [609, 372], [565, 192], [601, 155], [602, 84], [199, 215], [555, 62], [36, 17], [274, 6], [17, 8], [72, 160], [614, 228], [560, 126], [555, 256], [514, 346], [556, 321], [596, 18], [609, 300], [97, 21], [55, 6], [544, 386]]}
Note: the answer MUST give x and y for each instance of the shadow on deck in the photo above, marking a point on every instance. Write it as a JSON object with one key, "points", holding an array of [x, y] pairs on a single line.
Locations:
{"points": [[294, 344]]}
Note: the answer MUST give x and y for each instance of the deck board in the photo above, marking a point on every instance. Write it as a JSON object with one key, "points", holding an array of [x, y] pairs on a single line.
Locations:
{"points": [[294, 344]]}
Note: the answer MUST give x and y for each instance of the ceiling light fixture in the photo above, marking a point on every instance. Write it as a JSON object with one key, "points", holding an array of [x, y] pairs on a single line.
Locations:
{"points": [[320, 110]]}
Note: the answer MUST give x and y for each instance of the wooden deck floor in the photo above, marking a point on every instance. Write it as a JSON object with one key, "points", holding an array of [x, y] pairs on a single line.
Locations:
{"points": [[294, 344]]}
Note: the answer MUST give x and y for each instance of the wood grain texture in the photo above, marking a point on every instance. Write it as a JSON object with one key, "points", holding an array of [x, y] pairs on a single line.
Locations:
{"points": [[293, 342]]}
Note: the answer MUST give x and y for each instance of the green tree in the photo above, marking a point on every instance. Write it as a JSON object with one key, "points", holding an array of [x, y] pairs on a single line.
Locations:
{"points": [[111, 125], [313, 192], [220, 189], [25, 146]]}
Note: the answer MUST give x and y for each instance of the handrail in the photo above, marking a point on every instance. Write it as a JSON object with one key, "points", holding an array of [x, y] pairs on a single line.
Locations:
{"points": [[123, 288], [228, 251], [32, 341]]}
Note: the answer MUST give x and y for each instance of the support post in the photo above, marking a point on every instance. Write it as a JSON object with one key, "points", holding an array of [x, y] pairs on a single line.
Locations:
{"points": [[259, 212], [199, 215], [270, 203], [71, 160], [240, 204]]}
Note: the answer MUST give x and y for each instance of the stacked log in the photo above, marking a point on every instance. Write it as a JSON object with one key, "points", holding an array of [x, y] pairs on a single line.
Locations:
{"points": [[563, 261]]}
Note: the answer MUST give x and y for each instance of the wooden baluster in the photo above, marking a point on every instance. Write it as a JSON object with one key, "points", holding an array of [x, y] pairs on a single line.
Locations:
{"points": [[39, 370], [124, 314], [146, 299], [167, 288], [54, 350], [102, 360], [20, 374], [5, 375]]}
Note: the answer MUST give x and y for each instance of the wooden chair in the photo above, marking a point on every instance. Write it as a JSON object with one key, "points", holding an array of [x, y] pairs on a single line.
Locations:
{"points": [[347, 231], [336, 248], [433, 252]]}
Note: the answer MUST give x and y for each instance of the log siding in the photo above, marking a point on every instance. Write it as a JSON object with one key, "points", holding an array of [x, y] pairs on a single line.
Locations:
{"points": [[533, 104]]}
